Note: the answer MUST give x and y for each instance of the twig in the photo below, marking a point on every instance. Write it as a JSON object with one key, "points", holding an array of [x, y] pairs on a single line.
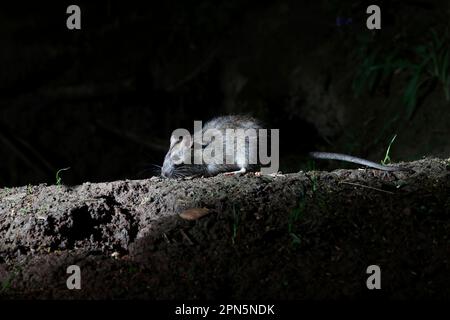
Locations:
{"points": [[186, 237], [367, 187], [166, 238]]}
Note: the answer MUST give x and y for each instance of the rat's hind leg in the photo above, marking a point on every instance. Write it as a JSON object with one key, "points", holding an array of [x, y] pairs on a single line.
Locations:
{"points": [[236, 173]]}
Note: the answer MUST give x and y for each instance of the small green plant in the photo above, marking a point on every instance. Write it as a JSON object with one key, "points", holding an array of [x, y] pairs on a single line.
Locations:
{"points": [[373, 69], [438, 51], [424, 63], [295, 239], [387, 158], [58, 177]]}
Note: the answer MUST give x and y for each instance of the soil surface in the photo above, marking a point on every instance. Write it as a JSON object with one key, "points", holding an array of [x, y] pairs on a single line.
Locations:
{"points": [[306, 235]]}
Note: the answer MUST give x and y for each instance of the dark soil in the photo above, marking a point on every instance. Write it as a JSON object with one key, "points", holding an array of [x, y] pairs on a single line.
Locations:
{"points": [[304, 235]]}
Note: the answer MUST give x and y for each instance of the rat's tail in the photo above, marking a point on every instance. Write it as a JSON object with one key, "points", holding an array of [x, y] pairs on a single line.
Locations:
{"points": [[352, 159]]}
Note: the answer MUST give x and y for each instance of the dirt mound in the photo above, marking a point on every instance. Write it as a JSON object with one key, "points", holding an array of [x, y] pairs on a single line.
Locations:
{"points": [[303, 235]]}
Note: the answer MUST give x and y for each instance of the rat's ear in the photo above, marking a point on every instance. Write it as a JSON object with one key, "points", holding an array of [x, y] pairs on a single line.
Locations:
{"points": [[183, 136], [187, 141]]}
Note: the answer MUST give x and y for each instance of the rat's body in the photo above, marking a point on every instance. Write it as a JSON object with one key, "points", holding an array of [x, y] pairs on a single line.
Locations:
{"points": [[180, 153], [180, 149]]}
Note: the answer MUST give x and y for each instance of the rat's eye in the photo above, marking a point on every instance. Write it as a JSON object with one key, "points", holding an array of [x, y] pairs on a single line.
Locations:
{"points": [[179, 139]]}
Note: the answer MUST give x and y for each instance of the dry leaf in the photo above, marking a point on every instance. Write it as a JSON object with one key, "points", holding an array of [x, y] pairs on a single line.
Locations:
{"points": [[194, 213]]}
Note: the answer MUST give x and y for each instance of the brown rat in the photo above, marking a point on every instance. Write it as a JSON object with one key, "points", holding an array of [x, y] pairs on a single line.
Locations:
{"points": [[179, 160]]}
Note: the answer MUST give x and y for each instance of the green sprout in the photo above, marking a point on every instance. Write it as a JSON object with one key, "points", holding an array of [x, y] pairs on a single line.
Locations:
{"points": [[58, 177], [295, 239], [387, 158]]}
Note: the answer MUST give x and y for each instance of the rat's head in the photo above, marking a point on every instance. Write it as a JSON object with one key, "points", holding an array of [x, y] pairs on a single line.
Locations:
{"points": [[178, 158]]}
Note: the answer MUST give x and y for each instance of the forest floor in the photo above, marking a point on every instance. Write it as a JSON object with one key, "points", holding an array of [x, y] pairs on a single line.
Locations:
{"points": [[305, 235]]}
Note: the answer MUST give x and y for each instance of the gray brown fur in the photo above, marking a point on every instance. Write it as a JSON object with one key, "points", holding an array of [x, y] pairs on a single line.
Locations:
{"points": [[181, 149]]}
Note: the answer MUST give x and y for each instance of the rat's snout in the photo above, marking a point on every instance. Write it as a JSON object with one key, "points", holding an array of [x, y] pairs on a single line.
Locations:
{"points": [[167, 169], [167, 173], [176, 156]]}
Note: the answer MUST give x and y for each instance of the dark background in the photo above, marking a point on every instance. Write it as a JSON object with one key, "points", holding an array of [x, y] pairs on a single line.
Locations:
{"points": [[103, 100]]}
